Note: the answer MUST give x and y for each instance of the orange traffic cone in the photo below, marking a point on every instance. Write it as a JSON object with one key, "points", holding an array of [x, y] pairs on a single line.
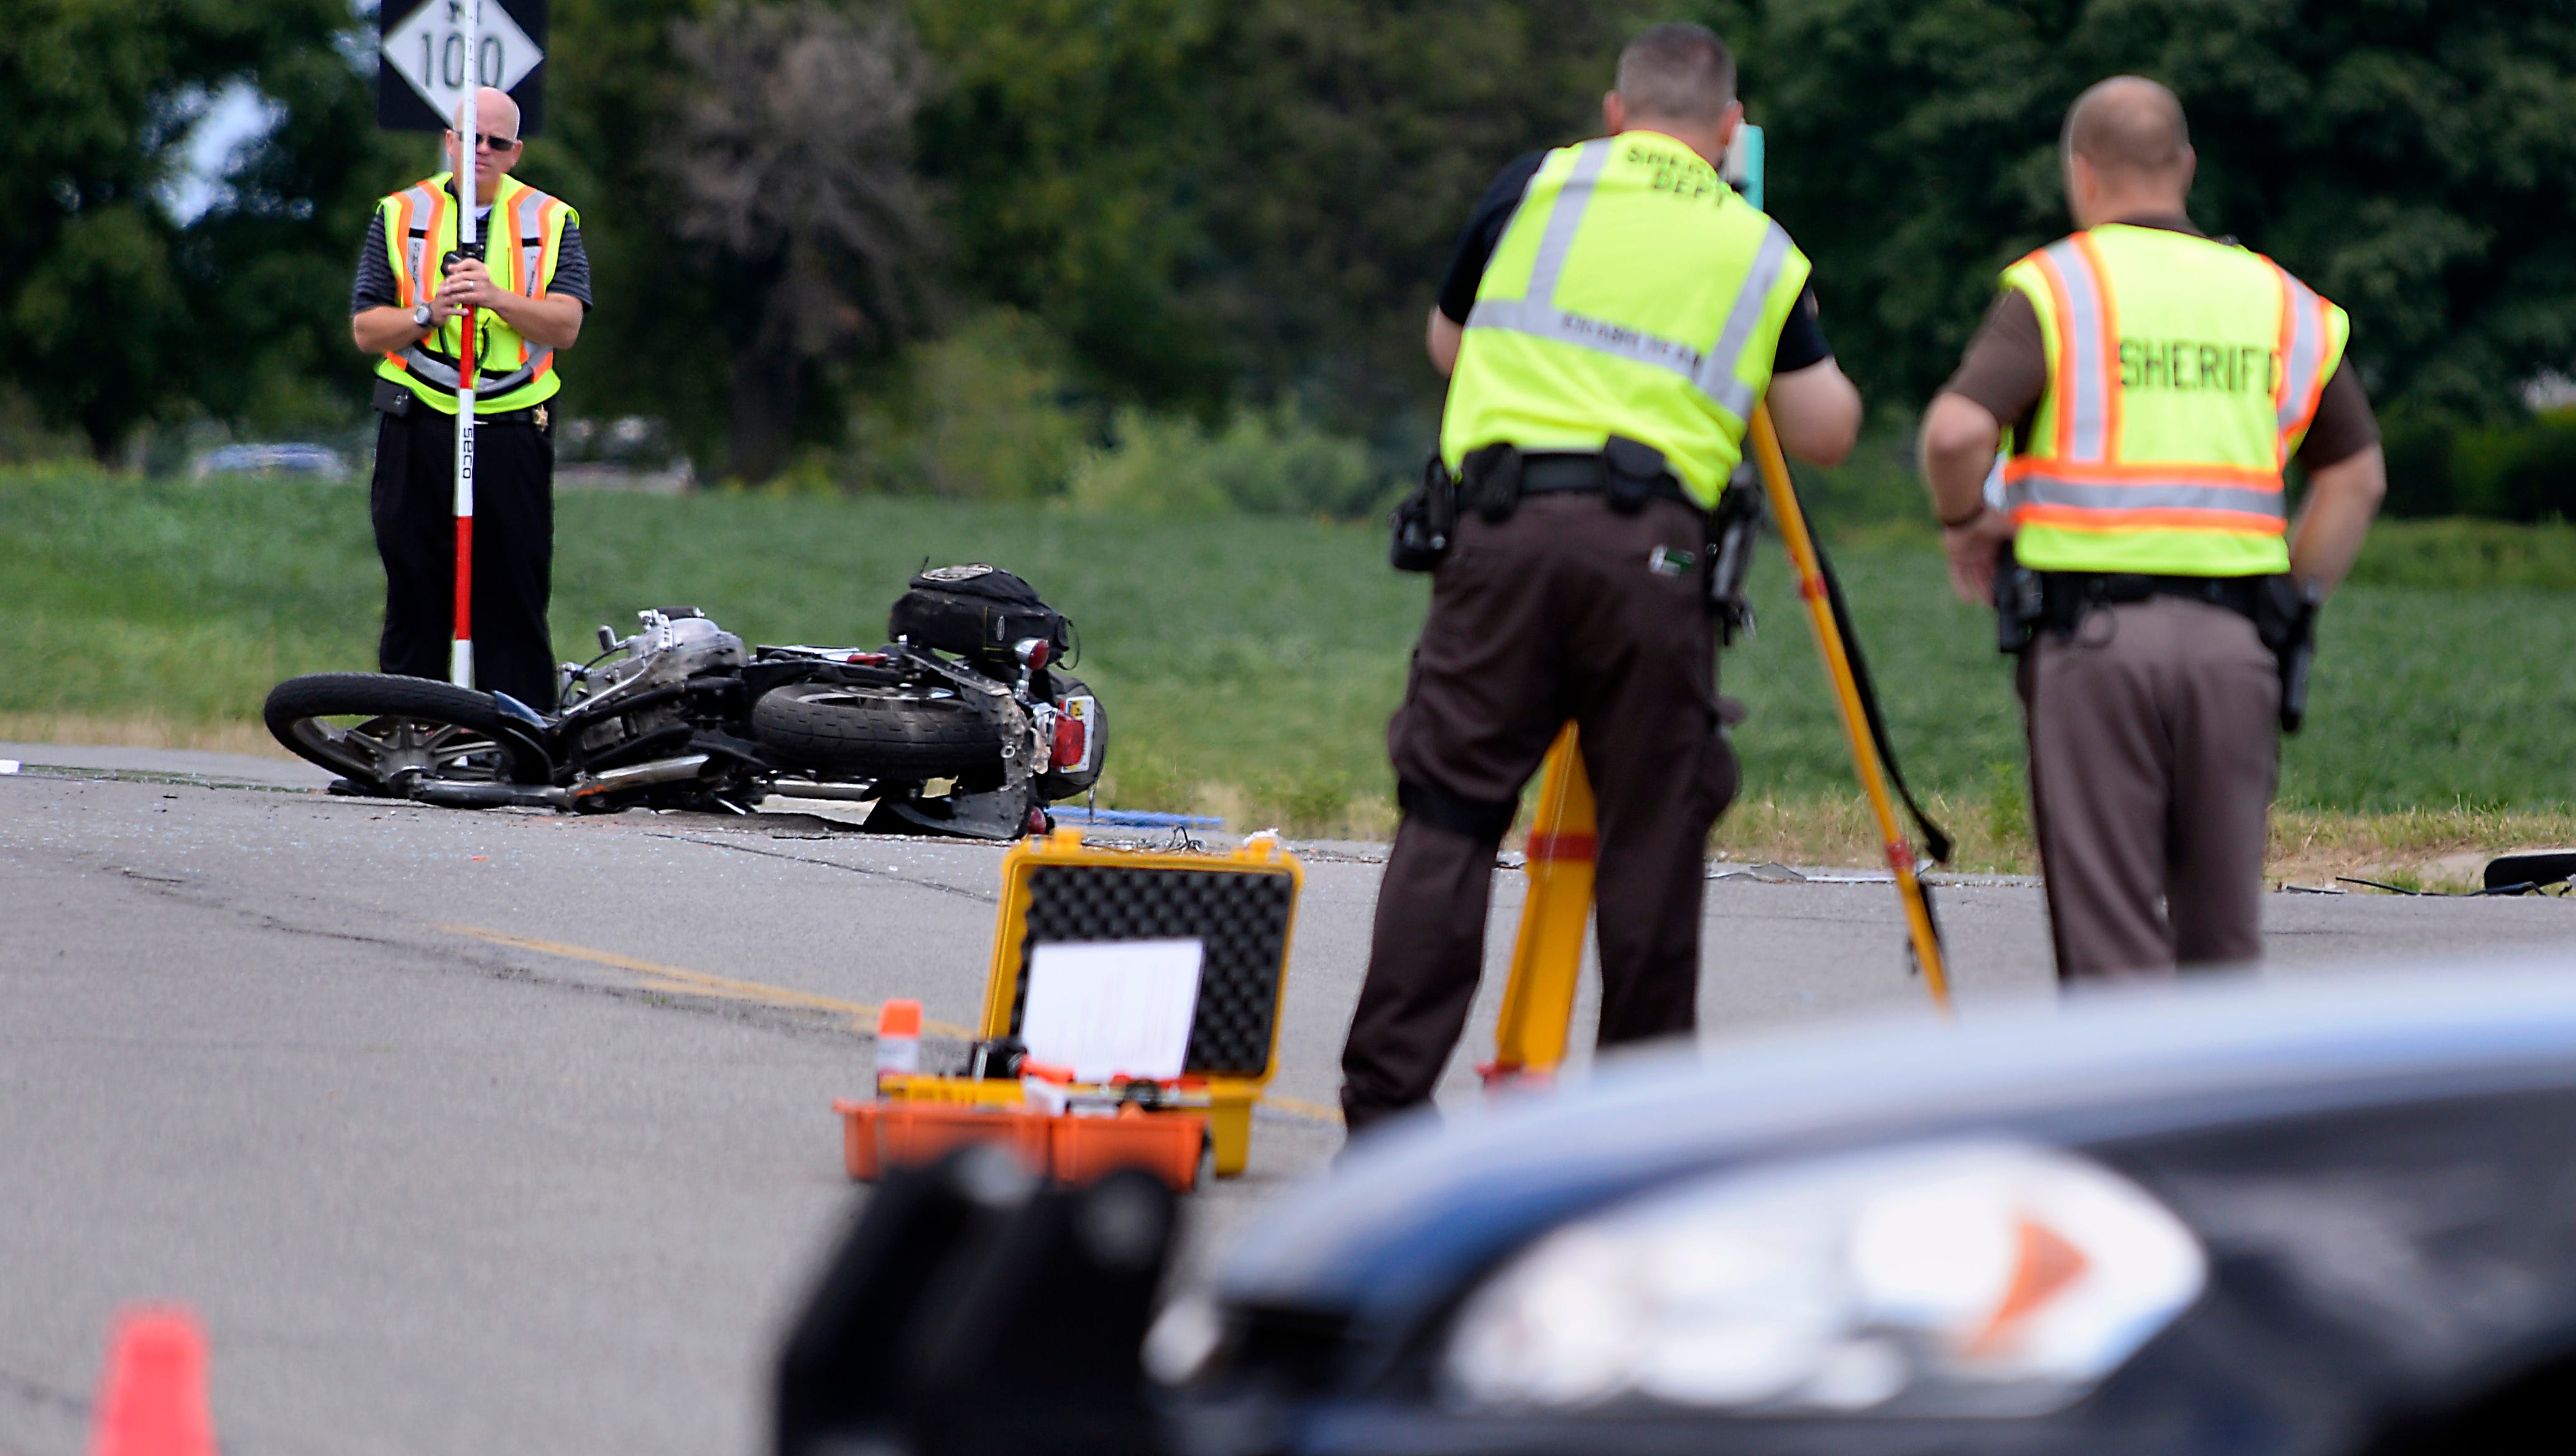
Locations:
{"points": [[154, 1399]]}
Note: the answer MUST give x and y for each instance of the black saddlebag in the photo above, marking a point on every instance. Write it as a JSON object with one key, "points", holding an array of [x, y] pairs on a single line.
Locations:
{"points": [[977, 612]]}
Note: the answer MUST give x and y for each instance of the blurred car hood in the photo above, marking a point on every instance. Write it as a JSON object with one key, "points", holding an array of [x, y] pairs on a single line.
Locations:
{"points": [[1414, 1209]]}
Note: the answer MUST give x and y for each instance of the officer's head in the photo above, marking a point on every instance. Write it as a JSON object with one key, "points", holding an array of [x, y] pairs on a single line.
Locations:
{"points": [[2127, 152], [496, 140], [1679, 80]]}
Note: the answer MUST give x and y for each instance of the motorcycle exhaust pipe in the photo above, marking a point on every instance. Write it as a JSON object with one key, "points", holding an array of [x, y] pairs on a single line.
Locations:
{"points": [[639, 775], [847, 793], [448, 795]]}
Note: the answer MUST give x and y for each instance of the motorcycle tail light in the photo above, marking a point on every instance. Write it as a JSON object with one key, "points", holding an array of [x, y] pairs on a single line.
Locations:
{"points": [[1071, 740]]}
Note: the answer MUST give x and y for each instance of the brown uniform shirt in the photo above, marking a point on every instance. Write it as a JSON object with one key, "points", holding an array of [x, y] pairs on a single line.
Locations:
{"points": [[2006, 370]]}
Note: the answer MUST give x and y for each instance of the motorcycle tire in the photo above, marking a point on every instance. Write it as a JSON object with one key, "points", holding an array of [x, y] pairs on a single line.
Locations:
{"points": [[408, 728], [1061, 784], [881, 733]]}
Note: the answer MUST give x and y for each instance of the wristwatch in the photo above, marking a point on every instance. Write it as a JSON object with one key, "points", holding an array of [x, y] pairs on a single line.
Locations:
{"points": [[420, 315]]}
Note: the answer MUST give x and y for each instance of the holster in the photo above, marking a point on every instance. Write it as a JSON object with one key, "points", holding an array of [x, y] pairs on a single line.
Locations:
{"points": [[2285, 617], [393, 399], [1425, 521], [1734, 527], [2021, 604]]}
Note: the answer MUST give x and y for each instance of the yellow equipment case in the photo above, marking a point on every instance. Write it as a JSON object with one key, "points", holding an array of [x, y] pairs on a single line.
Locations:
{"points": [[1241, 907]]}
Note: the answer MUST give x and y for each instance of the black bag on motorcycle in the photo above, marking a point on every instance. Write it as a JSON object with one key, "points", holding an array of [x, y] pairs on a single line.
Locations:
{"points": [[977, 612]]}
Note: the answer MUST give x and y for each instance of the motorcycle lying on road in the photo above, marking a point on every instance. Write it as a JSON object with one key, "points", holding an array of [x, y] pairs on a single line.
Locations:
{"points": [[967, 699]]}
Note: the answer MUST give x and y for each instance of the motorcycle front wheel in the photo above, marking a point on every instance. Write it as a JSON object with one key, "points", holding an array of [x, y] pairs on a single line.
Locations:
{"points": [[383, 733]]}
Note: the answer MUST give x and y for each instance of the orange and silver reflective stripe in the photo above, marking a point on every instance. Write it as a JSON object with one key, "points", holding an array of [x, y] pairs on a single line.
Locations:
{"points": [[2303, 360], [404, 247], [419, 237], [2056, 492], [2088, 350], [1711, 371], [2147, 518], [530, 223], [550, 234]]}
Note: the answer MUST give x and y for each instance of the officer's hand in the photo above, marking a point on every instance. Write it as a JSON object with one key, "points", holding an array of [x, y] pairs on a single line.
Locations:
{"points": [[442, 311], [1971, 548], [467, 285]]}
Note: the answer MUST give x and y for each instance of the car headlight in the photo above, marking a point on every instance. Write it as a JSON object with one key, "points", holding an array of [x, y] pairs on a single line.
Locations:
{"points": [[1956, 1279]]}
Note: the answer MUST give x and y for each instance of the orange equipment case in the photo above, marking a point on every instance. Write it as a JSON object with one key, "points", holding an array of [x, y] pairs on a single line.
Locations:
{"points": [[1241, 907]]}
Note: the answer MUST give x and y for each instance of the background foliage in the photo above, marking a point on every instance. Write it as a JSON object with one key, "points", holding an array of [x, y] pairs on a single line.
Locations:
{"points": [[1238, 209], [1248, 663]]}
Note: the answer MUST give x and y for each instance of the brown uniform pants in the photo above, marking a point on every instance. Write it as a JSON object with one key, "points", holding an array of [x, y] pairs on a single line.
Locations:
{"points": [[1556, 613], [2154, 750]]}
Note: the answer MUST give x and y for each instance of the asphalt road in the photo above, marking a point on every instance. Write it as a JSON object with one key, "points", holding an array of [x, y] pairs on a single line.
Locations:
{"points": [[510, 1132]]}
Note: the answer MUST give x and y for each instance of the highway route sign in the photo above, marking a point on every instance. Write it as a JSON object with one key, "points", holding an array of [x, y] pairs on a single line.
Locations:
{"points": [[425, 62]]}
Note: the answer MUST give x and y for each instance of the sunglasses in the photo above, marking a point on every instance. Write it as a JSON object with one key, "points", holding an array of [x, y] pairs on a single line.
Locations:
{"points": [[492, 143]]}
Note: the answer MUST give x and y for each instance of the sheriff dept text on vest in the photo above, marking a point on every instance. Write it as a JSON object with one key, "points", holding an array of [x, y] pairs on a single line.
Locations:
{"points": [[2182, 375], [1634, 294], [525, 242]]}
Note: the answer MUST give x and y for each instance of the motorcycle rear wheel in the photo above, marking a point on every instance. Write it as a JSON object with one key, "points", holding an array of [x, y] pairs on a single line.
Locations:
{"points": [[382, 732], [881, 733]]}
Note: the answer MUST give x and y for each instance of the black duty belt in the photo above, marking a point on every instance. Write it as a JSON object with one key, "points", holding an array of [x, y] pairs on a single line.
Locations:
{"points": [[2242, 595], [1553, 473]]}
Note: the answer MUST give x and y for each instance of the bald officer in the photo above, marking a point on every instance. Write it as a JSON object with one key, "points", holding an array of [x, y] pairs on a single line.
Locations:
{"points": [[2151, 387], [530, 291]]}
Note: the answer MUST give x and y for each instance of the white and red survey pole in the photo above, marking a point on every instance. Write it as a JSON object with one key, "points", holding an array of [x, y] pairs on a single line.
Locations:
{"points": [[469, 193]]}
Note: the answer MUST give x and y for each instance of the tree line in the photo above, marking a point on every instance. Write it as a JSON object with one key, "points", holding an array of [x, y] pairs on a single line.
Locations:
{"points": [[1203, 205]]}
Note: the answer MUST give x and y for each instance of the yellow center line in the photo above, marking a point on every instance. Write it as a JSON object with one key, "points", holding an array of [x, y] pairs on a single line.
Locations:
{"points": [[863, 1014], [1300, 1107]]}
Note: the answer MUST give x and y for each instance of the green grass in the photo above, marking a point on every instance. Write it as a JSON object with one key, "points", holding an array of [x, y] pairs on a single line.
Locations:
{"points": [[1249, 664]]}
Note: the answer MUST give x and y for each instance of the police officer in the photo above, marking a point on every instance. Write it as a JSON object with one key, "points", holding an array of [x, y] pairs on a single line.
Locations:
{"points": [[1613, 314], [530, 291], [2151, 386]]}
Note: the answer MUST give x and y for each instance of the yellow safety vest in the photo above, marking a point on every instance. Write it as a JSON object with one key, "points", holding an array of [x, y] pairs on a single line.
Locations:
{"points": [[2182, 374], [527, 228], [1635, 294]]}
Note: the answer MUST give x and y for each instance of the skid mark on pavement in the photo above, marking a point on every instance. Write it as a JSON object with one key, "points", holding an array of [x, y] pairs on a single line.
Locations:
{"points": [[862, 1014], [659, 977]]}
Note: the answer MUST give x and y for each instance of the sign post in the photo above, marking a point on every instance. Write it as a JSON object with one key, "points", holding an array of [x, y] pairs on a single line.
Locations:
{"points": [[433, 56]]}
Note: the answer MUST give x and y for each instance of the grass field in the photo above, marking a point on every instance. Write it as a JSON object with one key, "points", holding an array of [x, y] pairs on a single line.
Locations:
{"points": [[1249, 664]]}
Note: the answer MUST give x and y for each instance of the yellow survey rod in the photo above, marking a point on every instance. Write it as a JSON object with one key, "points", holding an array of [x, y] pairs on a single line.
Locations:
{"points": [[1538, 1000], [1803, 559]]}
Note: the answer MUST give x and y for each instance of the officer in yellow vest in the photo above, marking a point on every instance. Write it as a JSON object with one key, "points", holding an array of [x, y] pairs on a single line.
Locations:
{"points": [[2147, 388], [1612, 317], [530, 291]]}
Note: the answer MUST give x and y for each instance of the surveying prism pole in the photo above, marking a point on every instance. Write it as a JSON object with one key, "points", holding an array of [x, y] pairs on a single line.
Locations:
{"points": [[469, 192], [1921, 933]]}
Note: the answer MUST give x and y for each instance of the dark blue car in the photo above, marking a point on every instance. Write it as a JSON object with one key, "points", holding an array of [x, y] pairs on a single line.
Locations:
{"points": [[2330, 1216]]}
